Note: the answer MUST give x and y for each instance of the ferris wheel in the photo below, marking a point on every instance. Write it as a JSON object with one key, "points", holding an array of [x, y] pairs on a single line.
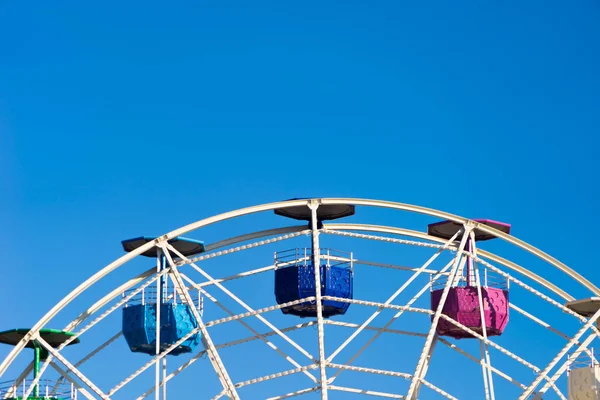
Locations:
{"points": [[317, 298]]}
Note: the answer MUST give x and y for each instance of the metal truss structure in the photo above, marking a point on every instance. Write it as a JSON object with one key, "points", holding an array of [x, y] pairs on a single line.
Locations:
{"points": [[313, 364]]}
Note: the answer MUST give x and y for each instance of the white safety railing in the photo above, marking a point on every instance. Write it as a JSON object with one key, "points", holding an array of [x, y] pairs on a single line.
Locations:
{"points": [[48, 389], [488, 278], [584, 359], [168, 295], [303, 256]]}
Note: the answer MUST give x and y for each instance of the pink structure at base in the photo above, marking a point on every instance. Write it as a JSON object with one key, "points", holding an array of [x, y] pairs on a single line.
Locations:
{"points": [[462, 305]]}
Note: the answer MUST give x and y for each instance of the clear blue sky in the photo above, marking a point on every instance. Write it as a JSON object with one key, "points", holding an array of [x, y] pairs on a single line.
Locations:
{"points": [[119, 119]]}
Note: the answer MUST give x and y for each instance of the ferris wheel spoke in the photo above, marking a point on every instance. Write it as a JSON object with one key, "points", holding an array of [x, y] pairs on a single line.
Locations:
{"points": [[340, 230], [374, 371], [392, 297], [423, 363], [391, 266], [236, 276], [371, 393], [539, 321], [374, 328], [484, 369], [213, 355], [318, 299], [296, 393], [276, 375], [243, 304], [488, 379], [294, 233]]}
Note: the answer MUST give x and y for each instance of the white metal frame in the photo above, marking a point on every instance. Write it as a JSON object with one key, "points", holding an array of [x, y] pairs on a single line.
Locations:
{"points": [[322, 362]]}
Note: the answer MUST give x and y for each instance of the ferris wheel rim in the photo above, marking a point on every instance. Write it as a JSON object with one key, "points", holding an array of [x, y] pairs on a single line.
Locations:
{"points": [[273, 206]]}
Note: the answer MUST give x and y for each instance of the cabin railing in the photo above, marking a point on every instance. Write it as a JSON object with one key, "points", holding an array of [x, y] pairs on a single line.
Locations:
{"points": [[488, 278], [48, 389], [303, 257], [169, 294]]}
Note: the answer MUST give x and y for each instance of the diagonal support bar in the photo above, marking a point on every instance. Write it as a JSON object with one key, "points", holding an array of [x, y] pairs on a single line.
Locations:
{"points": [[65, 375], [213, 355], [420, 370], [71, 367]]}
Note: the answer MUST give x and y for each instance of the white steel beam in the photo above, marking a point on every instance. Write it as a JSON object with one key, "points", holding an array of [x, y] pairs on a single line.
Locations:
{"points": [[391, 266], [242, 247], [296, 393], [319, 302], [276, 375], [266, 207], [488, 381], [373, 328], [422, 364], [213, 354], [261, 311], [158, 323], [374, 371], [366, 392], [236, 276], [65, 375], [255, 235]]}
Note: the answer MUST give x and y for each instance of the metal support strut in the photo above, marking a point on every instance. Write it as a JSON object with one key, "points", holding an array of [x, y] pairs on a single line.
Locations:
{"points": [[213, 355], [160, 265], [318, 297], [424, 359]]}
